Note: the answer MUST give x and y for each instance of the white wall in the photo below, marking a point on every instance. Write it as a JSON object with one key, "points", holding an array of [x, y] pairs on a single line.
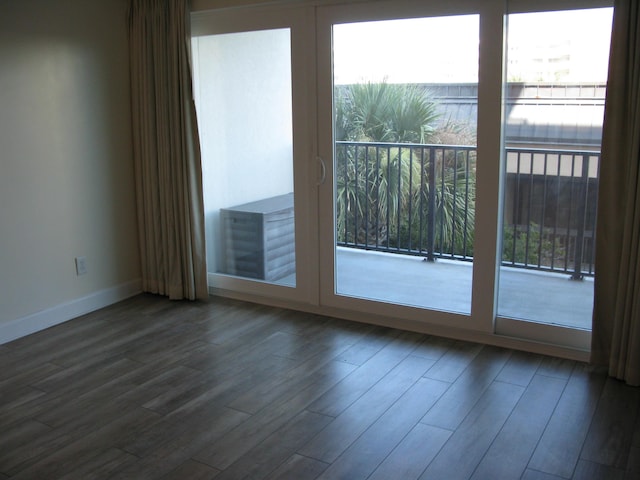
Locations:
{"points": [[66, 172], [242, 85]]}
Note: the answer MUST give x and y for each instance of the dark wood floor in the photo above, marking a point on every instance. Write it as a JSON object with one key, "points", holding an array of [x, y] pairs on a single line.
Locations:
{"points": [[150, 388]]}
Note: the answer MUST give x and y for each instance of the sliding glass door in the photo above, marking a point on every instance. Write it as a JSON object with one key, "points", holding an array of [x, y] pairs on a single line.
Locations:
{"points": [[398, 123], [463, 151], [555, 89], [252, 135], [405, 121], [407, 162]]}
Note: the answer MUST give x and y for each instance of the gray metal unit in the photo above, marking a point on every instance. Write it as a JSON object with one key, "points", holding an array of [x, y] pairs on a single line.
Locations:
{"points": [[258, 238]]}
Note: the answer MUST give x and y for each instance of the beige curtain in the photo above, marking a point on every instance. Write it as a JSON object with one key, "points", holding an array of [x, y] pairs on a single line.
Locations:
{"points": [[616, 321], [166, 151]]}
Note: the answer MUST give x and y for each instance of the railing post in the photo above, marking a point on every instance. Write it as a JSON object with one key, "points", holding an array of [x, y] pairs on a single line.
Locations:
{"points": [[431, 216], [581, 213]]}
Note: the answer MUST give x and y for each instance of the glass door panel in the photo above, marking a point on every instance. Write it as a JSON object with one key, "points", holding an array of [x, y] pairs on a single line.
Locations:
{"points": [[554, 106], [244, 101], [405, 117]]}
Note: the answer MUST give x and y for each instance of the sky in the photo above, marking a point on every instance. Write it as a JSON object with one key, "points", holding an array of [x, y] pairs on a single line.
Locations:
{"points": [[445, 49]]}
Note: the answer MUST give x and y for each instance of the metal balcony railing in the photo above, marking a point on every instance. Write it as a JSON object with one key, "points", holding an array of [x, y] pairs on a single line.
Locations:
{"points": [[419, 199]]}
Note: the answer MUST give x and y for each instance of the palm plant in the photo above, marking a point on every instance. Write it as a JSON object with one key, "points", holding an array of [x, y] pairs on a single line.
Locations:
{"points": [[384, 112], [378, 182], [455, 205]]}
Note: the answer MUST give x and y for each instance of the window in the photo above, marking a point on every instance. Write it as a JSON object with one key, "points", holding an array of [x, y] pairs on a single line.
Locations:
{"points": [[554, 108]]}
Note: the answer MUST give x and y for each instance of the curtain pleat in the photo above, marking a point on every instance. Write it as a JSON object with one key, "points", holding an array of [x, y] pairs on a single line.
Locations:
{"points": [[616, 319], [166, 151]]}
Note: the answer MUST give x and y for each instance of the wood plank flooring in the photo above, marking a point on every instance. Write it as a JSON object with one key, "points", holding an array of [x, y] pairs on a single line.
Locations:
{"points": [[154, 389]]}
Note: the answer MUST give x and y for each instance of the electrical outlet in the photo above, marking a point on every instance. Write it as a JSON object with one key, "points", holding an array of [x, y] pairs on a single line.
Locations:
{"points": [[81, 265]]}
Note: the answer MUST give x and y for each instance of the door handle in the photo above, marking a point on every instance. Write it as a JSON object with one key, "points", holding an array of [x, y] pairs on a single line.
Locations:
{"points": [[323, 170]]}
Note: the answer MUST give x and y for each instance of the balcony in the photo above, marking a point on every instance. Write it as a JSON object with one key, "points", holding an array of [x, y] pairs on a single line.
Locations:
{"points": [[446, 285], [413, 202]]}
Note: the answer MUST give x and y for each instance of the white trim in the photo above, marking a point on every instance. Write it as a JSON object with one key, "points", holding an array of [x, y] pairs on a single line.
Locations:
{"points": [[527, 6], [513, 5], [539, 346], [49, 317], [577, 338]]}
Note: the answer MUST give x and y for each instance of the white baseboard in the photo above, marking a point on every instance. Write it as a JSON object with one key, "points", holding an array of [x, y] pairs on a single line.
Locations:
{"points": [[35, 322]]}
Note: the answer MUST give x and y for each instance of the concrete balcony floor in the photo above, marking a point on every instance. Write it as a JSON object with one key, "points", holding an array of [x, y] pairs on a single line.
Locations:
{"points": [[446, 285]]}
